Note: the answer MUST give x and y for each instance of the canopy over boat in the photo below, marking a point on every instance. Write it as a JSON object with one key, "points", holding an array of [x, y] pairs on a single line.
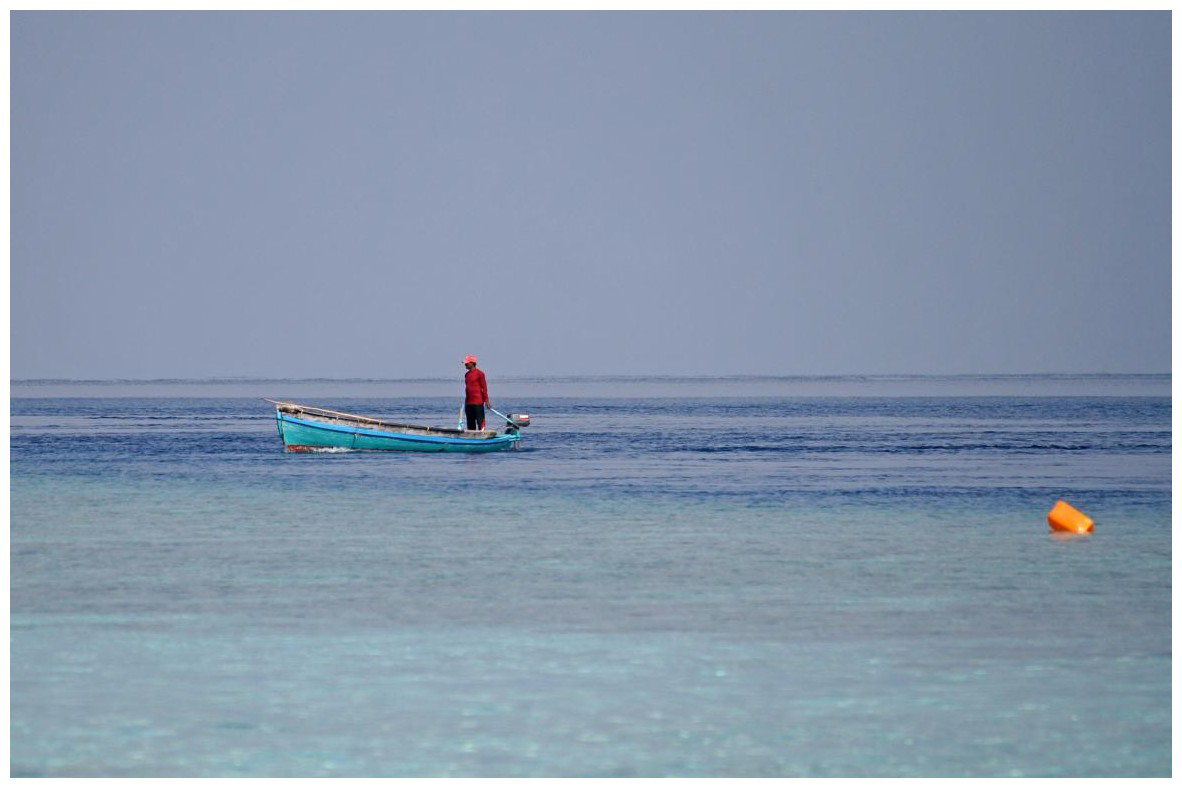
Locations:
{"points": [[305, 428]]}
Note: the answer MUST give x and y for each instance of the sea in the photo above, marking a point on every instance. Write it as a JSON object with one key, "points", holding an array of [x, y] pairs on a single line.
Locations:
{"points": [[672, 577]]}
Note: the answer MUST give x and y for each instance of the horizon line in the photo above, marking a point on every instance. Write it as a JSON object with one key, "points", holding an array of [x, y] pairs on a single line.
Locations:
{"points": [[597, 377]]}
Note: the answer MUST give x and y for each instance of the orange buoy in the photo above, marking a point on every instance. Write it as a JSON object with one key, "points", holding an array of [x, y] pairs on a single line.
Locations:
{"points": [[1065, 517]]}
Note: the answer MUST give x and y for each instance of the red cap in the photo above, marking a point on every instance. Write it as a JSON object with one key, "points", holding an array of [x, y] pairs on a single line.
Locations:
{"points": [[469, 359]]}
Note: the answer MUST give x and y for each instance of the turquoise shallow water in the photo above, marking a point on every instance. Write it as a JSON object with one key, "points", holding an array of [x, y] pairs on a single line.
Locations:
{"points": [[733, 579]]}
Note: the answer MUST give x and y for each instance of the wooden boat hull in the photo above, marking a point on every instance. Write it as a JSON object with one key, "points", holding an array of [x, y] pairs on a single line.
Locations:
{"points": [[314, 429]]}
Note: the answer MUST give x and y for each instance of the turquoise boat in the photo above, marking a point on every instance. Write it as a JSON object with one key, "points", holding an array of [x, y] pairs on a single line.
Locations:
{"points": [[304, 428]]}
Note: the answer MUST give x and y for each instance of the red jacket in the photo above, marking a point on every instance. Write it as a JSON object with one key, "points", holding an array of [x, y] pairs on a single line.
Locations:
{"points": [[475, 387]]}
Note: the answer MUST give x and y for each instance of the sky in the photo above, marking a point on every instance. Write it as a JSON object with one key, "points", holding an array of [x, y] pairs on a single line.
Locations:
{"points": [[378, 194]]}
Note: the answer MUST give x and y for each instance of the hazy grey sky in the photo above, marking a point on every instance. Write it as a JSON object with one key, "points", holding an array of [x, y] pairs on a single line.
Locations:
{"points": [[379, 194]]}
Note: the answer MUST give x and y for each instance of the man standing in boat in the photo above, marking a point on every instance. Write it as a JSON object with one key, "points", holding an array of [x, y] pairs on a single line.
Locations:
{"points": [[475, 394]]}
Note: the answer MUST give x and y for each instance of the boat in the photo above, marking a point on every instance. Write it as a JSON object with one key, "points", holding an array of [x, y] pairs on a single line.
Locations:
{"points": [[304, 428]]}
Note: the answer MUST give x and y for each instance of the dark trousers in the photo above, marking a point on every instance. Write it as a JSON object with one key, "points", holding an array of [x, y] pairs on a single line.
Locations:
{"points": [[475, 414]]}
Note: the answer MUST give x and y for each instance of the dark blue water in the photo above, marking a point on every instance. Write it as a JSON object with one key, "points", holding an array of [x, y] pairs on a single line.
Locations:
{"points": [[741, 579]]}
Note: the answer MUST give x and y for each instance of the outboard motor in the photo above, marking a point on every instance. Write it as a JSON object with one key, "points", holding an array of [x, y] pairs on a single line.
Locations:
{"points": [[516, 422]]}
